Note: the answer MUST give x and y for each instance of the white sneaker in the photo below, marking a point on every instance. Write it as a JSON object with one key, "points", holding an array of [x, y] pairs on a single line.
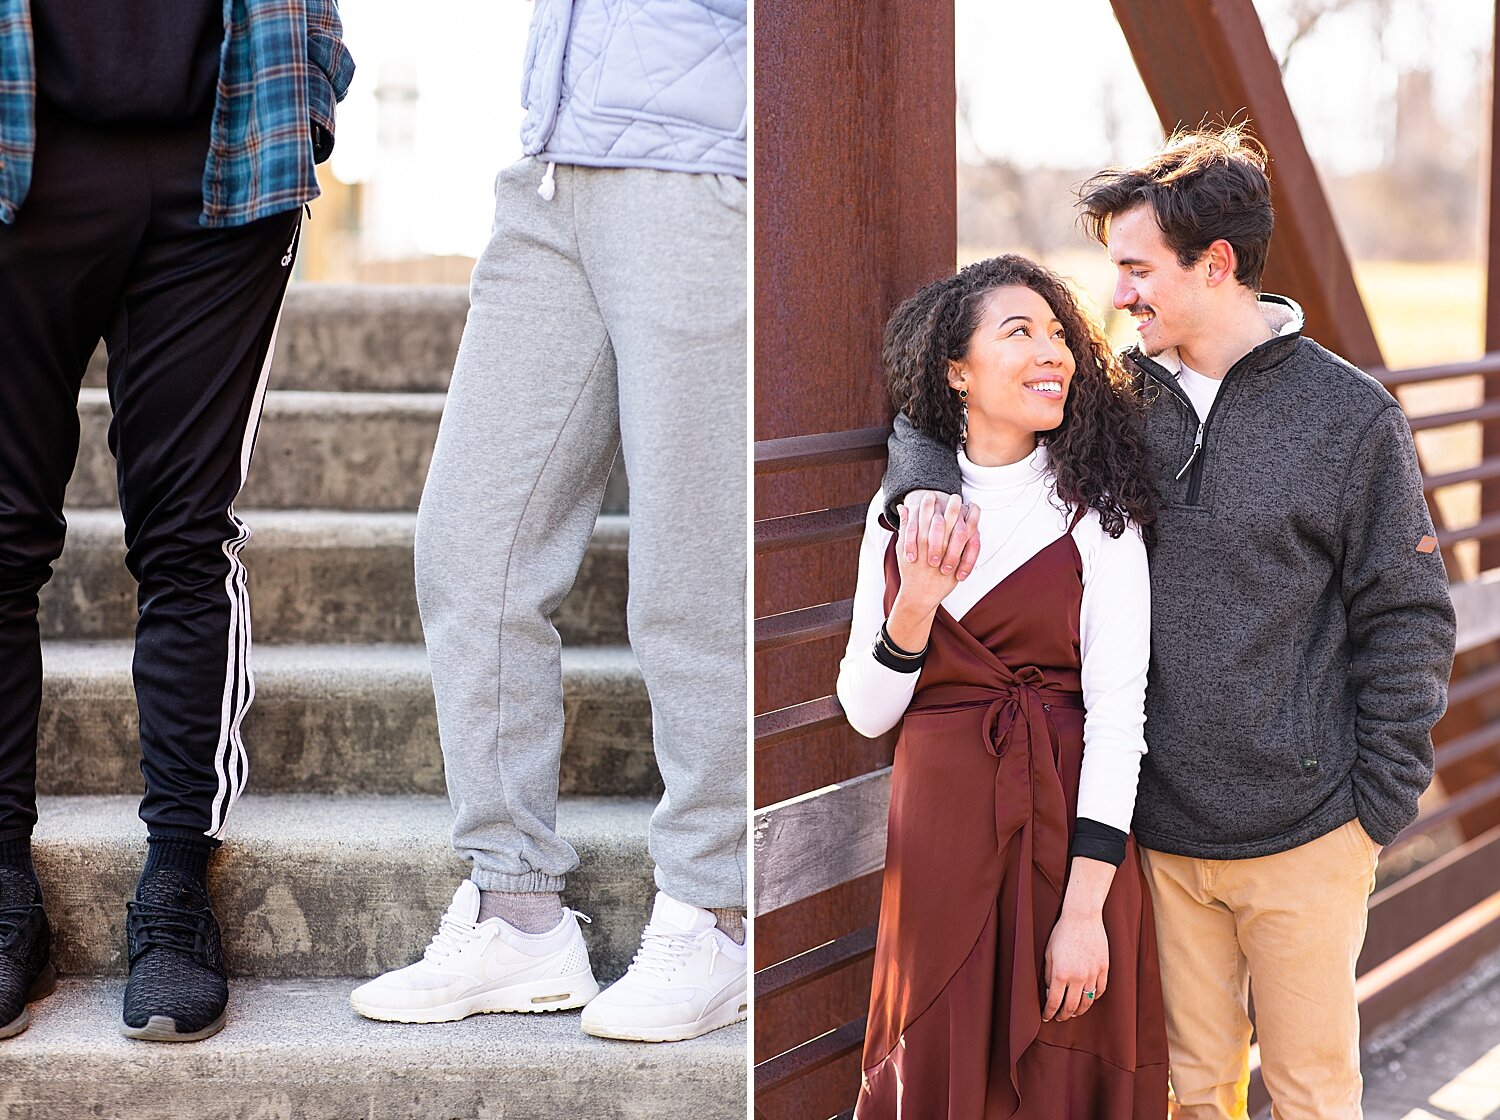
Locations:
{"points": [[472, 967], [687, 979]]}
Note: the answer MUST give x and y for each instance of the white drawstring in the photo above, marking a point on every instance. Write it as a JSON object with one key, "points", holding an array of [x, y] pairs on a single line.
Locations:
{"points": [[549, 183]]}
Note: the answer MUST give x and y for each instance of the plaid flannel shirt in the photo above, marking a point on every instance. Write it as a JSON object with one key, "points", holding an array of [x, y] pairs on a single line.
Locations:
{"points": [[282, 70]]}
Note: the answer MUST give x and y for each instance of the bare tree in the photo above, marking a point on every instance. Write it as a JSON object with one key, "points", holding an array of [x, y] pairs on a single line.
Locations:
{"points": [[1305, 16]]}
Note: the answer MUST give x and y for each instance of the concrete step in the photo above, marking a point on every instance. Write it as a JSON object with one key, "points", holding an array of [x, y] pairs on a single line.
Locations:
{"points": [[313, 885], [313, 451], [316, 576], [337, 719], [362, 338], [295, 1049]]}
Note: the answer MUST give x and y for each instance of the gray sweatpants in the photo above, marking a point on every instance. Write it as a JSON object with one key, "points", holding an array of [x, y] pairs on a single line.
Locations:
{"points": [[613, 313]]}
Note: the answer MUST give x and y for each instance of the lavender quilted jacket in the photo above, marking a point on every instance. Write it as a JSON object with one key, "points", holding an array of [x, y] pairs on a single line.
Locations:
{"points": [[638, 83]]}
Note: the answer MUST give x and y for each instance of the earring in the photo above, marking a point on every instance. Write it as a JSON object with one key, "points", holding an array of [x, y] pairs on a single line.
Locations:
{"points": [[963, 425]]}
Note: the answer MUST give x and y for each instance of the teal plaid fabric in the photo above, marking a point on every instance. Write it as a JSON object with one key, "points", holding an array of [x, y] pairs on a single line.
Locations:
{"points": [[284, 68]]}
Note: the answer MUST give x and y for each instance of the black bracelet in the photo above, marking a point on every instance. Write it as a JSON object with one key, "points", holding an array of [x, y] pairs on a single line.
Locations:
{"points": [[892, 656]]}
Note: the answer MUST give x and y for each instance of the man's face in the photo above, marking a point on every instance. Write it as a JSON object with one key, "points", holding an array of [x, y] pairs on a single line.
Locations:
{"points": [[1166, 300]]}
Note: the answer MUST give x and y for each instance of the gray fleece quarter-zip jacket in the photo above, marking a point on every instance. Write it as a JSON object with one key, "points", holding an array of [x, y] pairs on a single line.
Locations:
{"points": [[1301, 639]]}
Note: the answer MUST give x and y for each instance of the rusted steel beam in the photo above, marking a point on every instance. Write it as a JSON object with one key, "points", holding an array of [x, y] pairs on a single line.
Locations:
{"points": [[789, 975], [1489, 493], [812, 1055], [1474, 685], [1431, 964], [795, 453], [1483, 414], [798, 719], [854, 110], [1492, 235], [810, 624], [1210, 60], [777, 534], [1420, 375], [1415, 905], [1486, 528], [1477, 795], [1489, 468], [1468, 745]]}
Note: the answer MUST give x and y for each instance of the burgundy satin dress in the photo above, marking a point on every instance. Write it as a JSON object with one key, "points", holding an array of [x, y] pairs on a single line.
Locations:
{"points": [[984, 794]]}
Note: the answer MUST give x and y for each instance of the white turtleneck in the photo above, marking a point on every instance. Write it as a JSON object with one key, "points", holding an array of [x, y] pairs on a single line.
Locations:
{"points": [[1020, 516]]}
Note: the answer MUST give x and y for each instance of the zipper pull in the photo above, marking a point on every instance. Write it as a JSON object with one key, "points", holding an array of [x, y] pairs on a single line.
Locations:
{"points": [[1197, 447]]}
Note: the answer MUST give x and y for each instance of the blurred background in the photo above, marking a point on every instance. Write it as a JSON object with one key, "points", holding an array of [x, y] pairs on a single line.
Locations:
{"points": [[1390, 96], [433, 114], [863, 194]]}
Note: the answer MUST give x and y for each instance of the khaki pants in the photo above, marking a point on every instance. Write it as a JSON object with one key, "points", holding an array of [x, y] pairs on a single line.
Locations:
{"points": [[1290, 927]]}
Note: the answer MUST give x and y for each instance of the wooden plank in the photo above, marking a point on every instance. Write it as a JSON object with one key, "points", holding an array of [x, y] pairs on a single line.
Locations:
{"points": [[1206, 61], [814, 964], [798, 719], [1417, 904], [796, 453], [811, 1055], [820, 839], [810, 624], [777, 534]]}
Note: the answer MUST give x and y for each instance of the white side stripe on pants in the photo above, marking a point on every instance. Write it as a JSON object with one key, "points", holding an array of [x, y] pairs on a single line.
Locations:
{"points": [[231, 764]]}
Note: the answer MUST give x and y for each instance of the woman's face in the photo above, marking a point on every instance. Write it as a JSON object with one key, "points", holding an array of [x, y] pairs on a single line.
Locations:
{"points": [[1017, 370]]}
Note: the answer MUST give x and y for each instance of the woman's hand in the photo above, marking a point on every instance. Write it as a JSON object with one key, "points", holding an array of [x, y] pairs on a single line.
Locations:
{"points": [[957, 549], [1077, 962], [1078, 950], [926, 580]]}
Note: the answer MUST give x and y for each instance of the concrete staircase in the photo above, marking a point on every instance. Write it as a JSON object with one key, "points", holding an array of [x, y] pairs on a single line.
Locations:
{"points": [[338, 861]]}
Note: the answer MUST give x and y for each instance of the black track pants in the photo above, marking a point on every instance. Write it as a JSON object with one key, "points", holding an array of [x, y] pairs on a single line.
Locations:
{"points": [[108, 244]]}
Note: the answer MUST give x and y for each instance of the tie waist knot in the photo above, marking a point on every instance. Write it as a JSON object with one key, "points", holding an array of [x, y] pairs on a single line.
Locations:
{"points": [[1017, 729]]}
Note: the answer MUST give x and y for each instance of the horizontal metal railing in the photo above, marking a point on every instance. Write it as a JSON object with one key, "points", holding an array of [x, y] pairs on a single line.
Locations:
{"points": [[1425, 929]]}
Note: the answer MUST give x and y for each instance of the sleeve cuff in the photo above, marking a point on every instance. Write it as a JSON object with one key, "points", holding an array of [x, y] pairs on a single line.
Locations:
{"points": [[1094, 840]]}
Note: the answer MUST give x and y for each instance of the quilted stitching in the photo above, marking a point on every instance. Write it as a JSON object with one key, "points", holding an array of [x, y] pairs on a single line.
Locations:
{"points": [[677, 70]]}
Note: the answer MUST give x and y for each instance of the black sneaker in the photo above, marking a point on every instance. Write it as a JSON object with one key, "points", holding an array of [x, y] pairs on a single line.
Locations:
{"points": [[26, 971], [177, 991]]}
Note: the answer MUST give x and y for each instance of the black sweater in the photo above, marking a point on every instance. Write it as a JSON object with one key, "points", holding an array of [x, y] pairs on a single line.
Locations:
{"points": [[1302, 632], [130, 63]]}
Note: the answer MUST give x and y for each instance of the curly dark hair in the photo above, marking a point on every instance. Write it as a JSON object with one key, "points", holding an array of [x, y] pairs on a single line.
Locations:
{"points": [[1096, 454]]}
